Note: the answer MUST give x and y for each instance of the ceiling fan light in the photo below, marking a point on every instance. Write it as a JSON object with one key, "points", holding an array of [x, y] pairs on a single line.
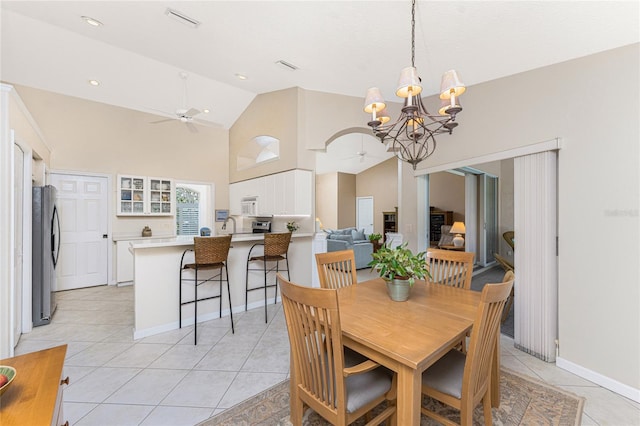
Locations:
{"points": [[409, 83], [373, 101], [91, 21], [451, 82]]}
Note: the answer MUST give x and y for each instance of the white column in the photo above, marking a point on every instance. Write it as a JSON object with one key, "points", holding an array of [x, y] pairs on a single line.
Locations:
{"points": [[535, 254], [471, 213]]}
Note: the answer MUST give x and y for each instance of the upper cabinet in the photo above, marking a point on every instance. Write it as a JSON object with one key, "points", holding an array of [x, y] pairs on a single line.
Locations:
{"points": [[141, 195], [281, 194]]}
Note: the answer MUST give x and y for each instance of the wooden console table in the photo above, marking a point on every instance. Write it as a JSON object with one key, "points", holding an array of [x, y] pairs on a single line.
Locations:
{"points": [[35, 396]]}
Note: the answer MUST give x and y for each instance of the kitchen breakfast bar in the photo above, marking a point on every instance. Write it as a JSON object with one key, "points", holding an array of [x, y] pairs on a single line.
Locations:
{"points": [[156, 280]]}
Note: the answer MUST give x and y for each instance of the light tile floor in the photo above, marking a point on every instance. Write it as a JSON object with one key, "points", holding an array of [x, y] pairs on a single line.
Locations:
{"points": [[166, 380]]}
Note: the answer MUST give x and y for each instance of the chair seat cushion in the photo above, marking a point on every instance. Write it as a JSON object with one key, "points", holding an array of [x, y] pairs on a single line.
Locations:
{"points": [[446, 374], [366, 387]]}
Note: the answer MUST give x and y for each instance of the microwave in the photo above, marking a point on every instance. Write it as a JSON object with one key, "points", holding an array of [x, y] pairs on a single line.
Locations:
{"points": [[249, 206]]}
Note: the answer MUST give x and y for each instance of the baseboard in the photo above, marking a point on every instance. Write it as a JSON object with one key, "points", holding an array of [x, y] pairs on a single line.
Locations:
{"points": [[604, 381]]}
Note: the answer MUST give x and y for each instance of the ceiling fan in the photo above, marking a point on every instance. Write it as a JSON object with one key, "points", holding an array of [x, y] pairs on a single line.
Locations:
{"points": [[360, 154], [185, 114]]}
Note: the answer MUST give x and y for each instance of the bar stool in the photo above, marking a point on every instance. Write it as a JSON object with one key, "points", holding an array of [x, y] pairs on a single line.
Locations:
{"points": [[276, 247], [210, 254]]}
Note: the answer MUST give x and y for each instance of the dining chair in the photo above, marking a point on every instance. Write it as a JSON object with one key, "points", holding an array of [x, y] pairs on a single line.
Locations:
{"points": [[275, 249], [325, 380], [463, 380], [452, 268], [210, 254], [510, 238], [336, 269]]}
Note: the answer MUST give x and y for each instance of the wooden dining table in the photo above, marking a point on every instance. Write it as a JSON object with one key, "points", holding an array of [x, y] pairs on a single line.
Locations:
{"points": [[408, 337]]}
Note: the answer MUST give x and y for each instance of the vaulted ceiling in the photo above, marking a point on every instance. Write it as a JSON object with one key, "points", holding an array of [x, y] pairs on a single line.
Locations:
{"points": [[340, 47]]}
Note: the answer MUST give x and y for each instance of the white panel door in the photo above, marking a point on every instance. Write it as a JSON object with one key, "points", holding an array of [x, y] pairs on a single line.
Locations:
{"points": [[364, 214], [82, 204]]}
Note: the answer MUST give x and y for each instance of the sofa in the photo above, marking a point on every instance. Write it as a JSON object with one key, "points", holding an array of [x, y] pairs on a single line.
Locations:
{"points": [[351, 239]]}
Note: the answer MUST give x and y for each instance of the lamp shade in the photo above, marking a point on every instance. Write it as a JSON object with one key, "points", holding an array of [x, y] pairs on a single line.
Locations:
{"points": [[383, 116], [409, 83], [373, 100], [457, 228], [451, 81], [447, 109]]}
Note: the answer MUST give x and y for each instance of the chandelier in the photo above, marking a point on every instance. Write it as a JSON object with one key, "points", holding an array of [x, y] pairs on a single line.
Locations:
{"points": [[412, 136]]}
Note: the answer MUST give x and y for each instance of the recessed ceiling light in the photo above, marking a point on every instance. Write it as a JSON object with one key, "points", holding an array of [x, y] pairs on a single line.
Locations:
{"points": [[241, 76], [93, 22], [94, 82]]}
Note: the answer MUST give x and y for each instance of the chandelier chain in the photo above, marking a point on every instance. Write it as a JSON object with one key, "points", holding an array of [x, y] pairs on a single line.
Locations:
{"points": [[413, 33]]}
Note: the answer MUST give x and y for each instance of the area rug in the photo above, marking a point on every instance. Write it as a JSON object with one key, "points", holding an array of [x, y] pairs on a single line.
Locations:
{"points": [[524, 401]]}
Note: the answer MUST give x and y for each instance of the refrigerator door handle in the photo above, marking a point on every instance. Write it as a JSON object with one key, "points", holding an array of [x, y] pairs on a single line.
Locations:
{"points": [[55, 250]]}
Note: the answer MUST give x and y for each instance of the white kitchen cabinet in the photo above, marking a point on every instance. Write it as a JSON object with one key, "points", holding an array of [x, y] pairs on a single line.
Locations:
{"points": [[286, 193], [141, 195], [296, 193]]}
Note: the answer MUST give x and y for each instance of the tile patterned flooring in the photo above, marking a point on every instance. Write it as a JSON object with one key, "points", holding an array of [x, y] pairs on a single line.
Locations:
{"points": [[166, 380]]}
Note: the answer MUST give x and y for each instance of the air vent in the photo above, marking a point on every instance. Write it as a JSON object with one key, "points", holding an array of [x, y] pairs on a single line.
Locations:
{"points": [[286, 65], [181, 17]]}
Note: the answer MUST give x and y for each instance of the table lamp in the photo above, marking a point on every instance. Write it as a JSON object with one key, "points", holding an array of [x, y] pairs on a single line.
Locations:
{"points": [[458, 229]]}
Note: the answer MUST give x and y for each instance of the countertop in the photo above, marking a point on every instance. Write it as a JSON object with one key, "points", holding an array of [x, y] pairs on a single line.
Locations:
{"points": [[188, 240]]}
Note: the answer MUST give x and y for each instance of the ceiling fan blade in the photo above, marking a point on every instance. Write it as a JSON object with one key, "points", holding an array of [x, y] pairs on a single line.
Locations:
{"points": [[191, 112], [207, 123], [192, 128], [161, 121]]}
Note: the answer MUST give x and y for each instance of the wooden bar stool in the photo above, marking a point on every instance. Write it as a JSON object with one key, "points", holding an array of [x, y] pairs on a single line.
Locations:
{"points": [[210, 254], [276, 247]]}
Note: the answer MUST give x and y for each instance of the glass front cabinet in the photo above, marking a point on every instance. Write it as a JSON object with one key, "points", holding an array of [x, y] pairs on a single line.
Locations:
{"points": [[140, 195]]}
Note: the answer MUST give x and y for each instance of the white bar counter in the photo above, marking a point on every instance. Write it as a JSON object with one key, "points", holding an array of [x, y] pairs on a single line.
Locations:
{"points": [[156, 280]]}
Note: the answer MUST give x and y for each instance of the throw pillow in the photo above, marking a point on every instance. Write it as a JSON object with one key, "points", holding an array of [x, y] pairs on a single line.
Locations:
{"points": [[346, 238], [358, 235]]}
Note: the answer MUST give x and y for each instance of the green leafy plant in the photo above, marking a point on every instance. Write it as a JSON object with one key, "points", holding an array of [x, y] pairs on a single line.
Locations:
{"points": [[399, 263], [374, 237], [292, 226]]}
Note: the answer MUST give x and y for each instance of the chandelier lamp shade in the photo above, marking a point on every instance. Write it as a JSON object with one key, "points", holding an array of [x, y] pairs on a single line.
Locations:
{"points": [[412, 136]]}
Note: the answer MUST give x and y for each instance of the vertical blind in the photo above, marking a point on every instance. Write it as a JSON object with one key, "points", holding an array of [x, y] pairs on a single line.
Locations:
{"points": [[535, 254]]}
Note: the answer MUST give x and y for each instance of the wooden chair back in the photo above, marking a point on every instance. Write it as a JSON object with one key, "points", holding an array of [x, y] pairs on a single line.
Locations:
{"points": [[211, 250], [509, 237], [276, 244], [336, 269], [506, 265], [483, 342], [313, 324], [452, 268], [319, 375]]}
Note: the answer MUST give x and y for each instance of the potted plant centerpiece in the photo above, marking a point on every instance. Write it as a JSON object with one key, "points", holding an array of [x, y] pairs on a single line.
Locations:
{"points": [[399, 267], [292, 226]]}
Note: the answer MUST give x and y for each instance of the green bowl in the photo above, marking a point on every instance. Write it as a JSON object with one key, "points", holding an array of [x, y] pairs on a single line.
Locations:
{"points": [[10, 372]]}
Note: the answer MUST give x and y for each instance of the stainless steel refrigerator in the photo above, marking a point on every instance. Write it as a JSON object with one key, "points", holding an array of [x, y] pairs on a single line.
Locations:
{"points": [[46, 248]]}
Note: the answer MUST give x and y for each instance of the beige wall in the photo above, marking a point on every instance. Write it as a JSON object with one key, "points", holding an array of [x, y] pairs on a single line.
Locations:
{"points": [[598, 184], [327, 200], [381, 183], [97, 138], [446, 193], [346, 200]]}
